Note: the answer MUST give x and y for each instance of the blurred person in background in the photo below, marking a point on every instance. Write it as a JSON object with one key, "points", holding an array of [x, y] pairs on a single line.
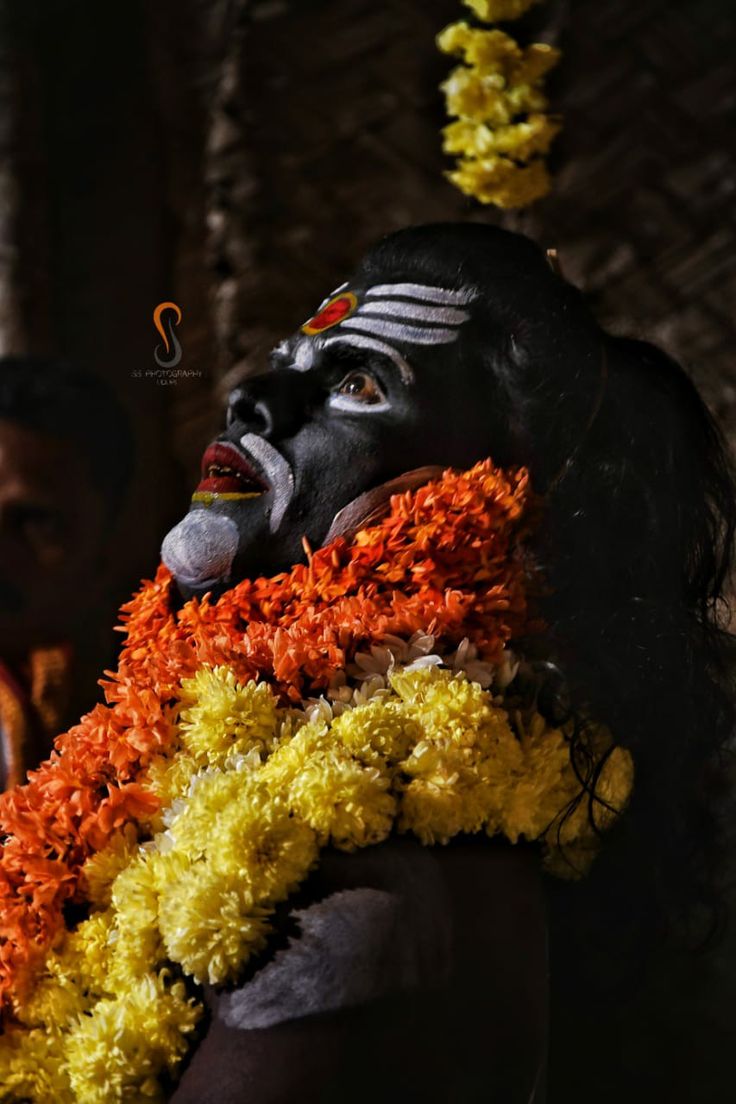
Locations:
{"points": [[65, 462]]}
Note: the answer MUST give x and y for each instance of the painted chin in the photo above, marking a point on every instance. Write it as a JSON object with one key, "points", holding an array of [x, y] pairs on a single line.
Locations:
{"points": [[217, 543], [236, 513]]}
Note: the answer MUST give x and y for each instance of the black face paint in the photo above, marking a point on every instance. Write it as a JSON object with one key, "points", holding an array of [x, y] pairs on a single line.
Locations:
{"points": [[374, 385], [450, 343]]}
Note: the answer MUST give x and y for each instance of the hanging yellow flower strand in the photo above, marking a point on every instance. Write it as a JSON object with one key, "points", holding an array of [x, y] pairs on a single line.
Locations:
{"points": [[503, 131]]}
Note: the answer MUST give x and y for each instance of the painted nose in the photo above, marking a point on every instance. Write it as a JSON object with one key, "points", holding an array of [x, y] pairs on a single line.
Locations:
{"points": [[273, 405]]}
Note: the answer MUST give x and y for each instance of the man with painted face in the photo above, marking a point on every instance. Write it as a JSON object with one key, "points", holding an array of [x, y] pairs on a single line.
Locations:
{"points": [[297, 853], [379, 391], [394, 371], [421, 973], [341, 409]]}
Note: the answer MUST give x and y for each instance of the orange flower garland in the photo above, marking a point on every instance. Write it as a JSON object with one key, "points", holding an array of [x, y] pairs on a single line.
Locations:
{"points": [[445, 561]]}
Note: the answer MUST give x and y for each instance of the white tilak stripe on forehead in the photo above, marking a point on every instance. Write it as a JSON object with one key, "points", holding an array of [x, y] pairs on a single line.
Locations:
{"points": [[358, 341], [412, 335], [426, 292], [395, 308]]}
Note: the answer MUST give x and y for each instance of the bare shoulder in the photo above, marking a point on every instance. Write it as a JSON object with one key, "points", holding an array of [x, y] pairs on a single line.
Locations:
{"points": [[432, 960]]}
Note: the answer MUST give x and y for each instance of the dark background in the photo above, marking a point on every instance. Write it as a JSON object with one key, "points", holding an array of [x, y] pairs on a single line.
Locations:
{"points": [[236, 156]]}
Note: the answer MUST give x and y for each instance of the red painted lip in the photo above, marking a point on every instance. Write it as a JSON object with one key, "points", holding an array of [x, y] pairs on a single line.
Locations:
{"points": [[226, 471]]}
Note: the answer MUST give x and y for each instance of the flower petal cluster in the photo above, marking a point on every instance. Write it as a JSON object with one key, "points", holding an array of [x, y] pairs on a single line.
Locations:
{"points": [[428, 752], [503, 131], [444, 560], [361, 694]]}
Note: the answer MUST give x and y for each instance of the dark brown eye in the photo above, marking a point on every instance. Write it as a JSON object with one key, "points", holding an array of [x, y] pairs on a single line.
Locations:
{"points": [[361, 387]]}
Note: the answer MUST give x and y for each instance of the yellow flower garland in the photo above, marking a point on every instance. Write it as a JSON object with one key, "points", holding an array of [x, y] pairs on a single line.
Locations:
{"points": [[253, 793], [503, 130]]}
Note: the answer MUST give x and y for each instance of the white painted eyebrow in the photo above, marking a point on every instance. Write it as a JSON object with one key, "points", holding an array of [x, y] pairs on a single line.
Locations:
{"points": [[426, 292], [413, 335], [303, 355], [395, 308], [358, 341]]}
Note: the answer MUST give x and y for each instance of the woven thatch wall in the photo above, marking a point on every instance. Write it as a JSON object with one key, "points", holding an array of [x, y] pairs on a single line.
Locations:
{"points": [[336, 113], [643, 207]]}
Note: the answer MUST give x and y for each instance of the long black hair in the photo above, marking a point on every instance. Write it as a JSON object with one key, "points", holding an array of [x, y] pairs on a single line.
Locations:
{"points": [[636, 544]]}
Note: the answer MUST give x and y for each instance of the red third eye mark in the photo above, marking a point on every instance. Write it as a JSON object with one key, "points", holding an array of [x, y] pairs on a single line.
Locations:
{"points": [[333, 312]]}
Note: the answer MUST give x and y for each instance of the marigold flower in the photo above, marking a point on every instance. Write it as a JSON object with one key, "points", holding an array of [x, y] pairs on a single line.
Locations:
{"points": [[520, 140], [211, 924], [495, 180], [502, 130], [101, 869], [222, 716], [118, 1051], [32, 1067]]}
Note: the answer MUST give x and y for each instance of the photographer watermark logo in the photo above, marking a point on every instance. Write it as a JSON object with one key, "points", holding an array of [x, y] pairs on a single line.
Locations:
{"points": [[165, 317], [167, 353]]}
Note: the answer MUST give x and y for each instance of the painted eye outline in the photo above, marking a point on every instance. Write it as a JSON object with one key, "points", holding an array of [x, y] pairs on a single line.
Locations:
{"points": [[352, 404]]}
